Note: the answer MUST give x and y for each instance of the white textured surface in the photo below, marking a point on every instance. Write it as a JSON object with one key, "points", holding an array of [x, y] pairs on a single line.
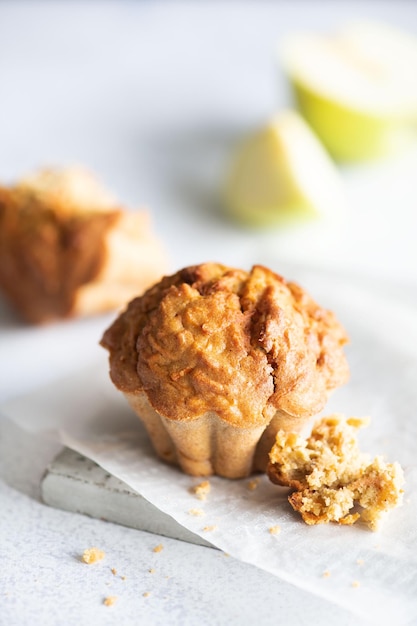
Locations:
{"points": [[44, 582], [152, 96]]}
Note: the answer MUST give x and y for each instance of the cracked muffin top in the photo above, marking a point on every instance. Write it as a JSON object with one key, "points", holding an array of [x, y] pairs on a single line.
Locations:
{"points": [[241, 344]]}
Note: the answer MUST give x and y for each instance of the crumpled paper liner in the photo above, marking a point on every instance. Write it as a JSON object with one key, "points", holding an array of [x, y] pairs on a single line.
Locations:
{"points": [[373, 575]]}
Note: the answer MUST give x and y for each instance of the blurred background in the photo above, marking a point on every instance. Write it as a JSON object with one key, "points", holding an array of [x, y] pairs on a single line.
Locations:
{"points": [[154, 97]]}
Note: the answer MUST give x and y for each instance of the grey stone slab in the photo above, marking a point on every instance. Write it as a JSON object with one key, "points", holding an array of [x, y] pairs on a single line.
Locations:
{"points": [[75, 483]]}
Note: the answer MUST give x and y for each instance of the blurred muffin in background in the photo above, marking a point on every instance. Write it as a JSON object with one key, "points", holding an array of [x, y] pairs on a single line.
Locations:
{"points": [[68, 248], [215, 360]]}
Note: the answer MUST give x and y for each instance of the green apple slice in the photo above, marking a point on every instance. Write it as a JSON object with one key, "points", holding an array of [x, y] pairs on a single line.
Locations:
{"points": [[282, 173], [356, 88]]}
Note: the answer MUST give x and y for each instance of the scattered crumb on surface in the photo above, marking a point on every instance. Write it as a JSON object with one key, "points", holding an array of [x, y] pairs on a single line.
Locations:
{"points": [[196, 512], [158, 548], [92, 555], [113, 571], [275, 530], [201, 490], [253, 484], [146, 594], [326, 574], [226, 554], [356, 583], [110, 600], [151, 570], [360, 561], [330, 477], [123, 578], [208, 529]]}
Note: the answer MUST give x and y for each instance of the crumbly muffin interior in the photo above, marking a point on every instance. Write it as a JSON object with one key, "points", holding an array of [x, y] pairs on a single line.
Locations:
{"points": [[331, 479]]}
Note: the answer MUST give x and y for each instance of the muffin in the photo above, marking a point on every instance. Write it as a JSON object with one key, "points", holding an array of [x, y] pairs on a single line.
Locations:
{"points": [[67, 248], [215, 360], [331, 479]]}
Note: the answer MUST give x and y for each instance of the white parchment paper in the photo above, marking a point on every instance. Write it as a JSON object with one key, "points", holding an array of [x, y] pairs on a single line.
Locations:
{"points": [[374, 575]]}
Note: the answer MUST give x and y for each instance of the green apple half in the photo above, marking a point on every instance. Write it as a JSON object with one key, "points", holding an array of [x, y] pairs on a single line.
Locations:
{"points": [[357, 88], [282, 173]]}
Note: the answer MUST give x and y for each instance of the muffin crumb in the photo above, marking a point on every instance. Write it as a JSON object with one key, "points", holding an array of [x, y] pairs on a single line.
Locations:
{"points": [[146, 594], [201, 490], [92, 555], [326, 574], [330, 477], [158, 548], [208, 529], [151, 570], [275, 530], [110, 600], [196, 512], [114, 571], [356, 583], [253, 484]]}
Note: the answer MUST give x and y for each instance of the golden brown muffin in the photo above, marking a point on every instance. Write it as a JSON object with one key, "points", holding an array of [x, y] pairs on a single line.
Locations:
{"points": [[330, 476], [215, 360], [67, 248]]}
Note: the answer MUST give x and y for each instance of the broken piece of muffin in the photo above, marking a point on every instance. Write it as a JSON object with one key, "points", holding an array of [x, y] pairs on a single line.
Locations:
{"points": [[68, 248], [215, 360], [331, 479]]}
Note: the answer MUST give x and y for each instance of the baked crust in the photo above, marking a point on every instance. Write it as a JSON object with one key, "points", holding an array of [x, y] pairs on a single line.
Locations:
{"points": [[215, 360], [66, 247], [243, 345]]}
